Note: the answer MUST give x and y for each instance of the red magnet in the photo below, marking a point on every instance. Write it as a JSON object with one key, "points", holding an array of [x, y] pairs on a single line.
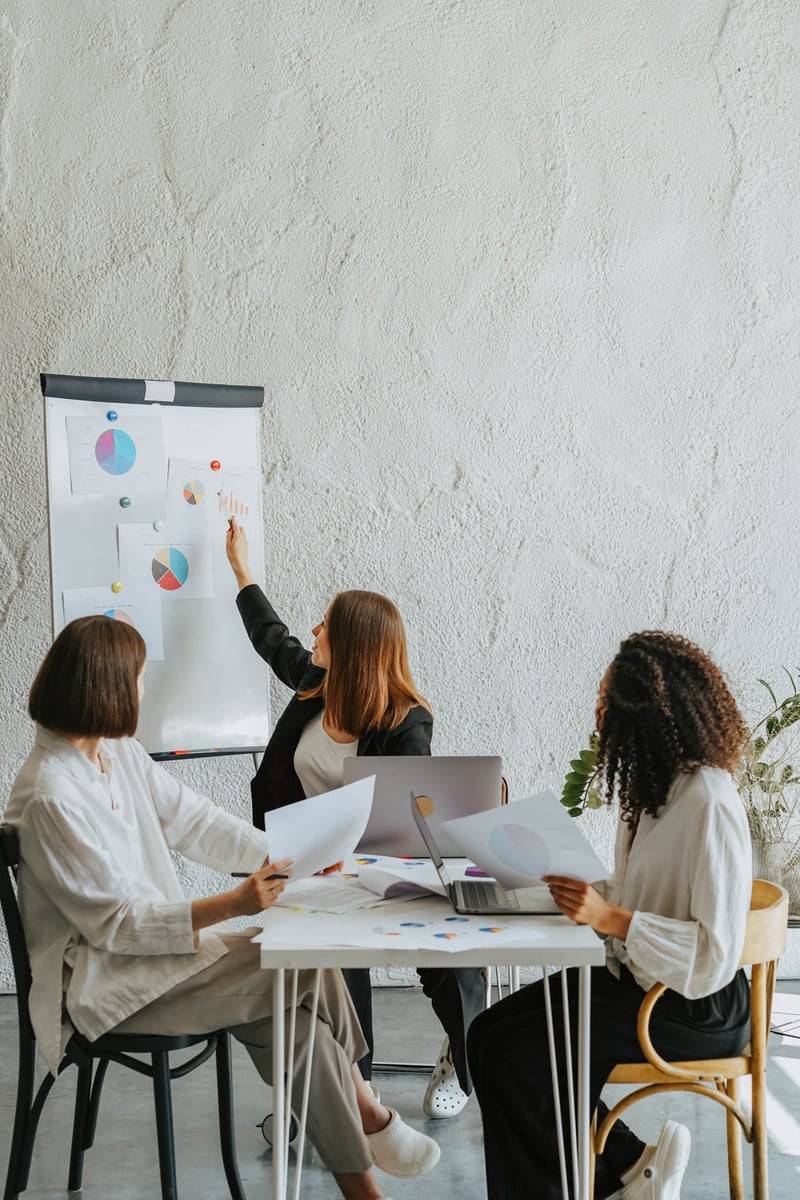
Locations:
{"points": [[215, 464]]}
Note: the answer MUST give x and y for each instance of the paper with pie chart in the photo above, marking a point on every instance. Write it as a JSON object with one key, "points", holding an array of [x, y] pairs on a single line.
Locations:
{"points": [[191, 493], [520, 842], [174, 562], [120, 458], [137, 606]]}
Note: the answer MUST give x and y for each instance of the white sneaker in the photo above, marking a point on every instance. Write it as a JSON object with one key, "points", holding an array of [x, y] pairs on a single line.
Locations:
{"points": [[444, 1096], [661, 1176], [402, 1151]]}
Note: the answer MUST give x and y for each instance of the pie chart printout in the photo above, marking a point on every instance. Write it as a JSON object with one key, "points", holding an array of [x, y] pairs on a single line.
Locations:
{"points": [[115, 451], [118, 614], [193, 492], [520, 848], [170, 568]]}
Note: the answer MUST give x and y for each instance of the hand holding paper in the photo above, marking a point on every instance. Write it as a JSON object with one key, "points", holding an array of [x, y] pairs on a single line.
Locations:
{"points": [[321, 830]]}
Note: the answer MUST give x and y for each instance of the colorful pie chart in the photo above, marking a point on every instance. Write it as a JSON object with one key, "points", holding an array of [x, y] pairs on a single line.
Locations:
{"points": [[194, 492], [115, 451], [118, 615], [170, 568], [521, 849]]}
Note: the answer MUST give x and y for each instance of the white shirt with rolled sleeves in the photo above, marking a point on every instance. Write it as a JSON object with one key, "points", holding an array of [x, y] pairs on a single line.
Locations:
{"points": [[104, 914], [687, 877]]}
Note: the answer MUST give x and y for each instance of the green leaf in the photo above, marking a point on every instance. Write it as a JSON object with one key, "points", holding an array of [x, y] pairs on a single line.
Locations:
{"points": [[759, 744], [578, 765], [576, 812], [764, 684], [788, 673]]}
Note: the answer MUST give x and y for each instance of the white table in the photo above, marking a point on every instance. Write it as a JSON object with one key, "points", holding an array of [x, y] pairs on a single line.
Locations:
{"points": [[558, 944]]}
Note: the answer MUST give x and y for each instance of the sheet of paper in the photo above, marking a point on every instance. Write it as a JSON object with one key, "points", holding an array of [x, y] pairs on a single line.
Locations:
{"points": [[327, 893], [305, 927], [299, 928], [138, 606], [520, 842], [174, 561], [118, 458], [191, 494], [386, 876], [322, 830]]}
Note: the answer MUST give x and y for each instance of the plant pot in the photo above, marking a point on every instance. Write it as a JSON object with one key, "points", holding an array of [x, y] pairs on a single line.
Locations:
{"points": [[768, 860]]}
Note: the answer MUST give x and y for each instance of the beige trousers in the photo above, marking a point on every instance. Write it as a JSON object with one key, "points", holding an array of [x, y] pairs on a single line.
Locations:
{"points": [[235, 993]]}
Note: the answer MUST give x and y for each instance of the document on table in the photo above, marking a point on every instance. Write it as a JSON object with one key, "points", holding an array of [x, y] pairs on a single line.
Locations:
{"points": [[520, 842], [320, 831], [296, 928], [369, 881]]}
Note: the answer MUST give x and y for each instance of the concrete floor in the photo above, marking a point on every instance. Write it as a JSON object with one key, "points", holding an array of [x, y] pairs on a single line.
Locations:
{"points": [[123, 1164]]}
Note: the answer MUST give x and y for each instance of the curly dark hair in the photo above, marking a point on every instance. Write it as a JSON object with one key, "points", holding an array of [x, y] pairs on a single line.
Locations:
{"points": [[665, 708]]}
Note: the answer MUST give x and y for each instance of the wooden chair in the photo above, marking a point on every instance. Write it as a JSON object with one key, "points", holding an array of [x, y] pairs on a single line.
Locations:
{"points": [[118, 1048], [718, 1078]]}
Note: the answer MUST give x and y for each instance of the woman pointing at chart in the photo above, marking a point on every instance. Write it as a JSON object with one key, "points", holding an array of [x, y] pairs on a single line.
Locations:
{"points": [[353, 695]]}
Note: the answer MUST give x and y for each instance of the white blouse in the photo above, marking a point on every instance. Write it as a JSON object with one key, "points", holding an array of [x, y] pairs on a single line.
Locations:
{"points": [[104, 914], [687, 877], [319, 760]]}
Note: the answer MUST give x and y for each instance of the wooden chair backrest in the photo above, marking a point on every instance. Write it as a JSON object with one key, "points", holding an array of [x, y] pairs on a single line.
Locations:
{"points": [[765, 934]]}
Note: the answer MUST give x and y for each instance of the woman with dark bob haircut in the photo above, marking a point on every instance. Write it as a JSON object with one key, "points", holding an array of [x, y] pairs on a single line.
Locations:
{"points": [[115, 945], [673, 911]]}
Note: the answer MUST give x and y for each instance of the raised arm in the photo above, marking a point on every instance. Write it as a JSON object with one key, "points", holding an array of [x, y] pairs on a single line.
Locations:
{"points": [[287, 657]]}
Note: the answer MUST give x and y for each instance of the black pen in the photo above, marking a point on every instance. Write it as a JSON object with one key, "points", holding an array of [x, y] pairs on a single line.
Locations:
{"points": [[247, 874]]}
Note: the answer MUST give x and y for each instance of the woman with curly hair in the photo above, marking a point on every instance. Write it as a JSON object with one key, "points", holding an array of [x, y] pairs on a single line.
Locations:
{"points": [[673, 911]]}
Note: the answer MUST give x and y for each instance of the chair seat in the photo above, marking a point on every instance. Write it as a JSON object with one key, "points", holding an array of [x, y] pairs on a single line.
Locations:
{"points": [[704, 1068], [138, 1043]]}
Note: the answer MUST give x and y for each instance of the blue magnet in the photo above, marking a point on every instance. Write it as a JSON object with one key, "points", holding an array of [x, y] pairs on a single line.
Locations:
{"points": [[124, 501], [112, 416]]}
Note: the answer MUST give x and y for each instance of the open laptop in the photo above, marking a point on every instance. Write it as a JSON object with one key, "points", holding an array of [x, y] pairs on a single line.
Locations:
{"points": [[481, 897], [462, 786]]}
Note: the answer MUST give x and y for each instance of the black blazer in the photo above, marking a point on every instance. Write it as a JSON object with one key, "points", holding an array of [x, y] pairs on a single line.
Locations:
{"points": [[276, 782]]}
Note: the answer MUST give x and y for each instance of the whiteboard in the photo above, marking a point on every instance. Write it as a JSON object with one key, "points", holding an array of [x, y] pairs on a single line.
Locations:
{"points": [[209, 693]]}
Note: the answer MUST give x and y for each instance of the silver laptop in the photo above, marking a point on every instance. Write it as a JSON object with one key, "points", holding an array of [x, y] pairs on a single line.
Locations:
{"points": [[462, 786], [483, 897]]}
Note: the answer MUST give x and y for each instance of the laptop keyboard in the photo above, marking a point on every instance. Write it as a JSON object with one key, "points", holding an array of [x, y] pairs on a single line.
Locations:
{"points": [[483, 897]]}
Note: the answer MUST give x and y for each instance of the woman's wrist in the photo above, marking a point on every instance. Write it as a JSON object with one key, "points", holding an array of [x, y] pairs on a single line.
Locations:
{"points": [[243, 577], [213, 909], [616, 922]]}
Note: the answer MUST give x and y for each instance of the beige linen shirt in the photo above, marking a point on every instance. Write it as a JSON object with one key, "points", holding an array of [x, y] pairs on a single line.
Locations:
{"points": [[687, 878], [108, 926]]}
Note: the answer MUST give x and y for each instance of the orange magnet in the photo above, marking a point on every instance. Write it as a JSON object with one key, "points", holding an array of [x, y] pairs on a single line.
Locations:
{"points": [[215, 464]]}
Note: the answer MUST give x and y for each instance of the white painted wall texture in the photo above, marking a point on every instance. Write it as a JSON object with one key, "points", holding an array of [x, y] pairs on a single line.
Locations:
{"points": [[520, 278]]}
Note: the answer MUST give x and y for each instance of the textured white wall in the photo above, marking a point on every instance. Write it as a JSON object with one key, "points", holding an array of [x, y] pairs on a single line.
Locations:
{"points": [[520, 278]]}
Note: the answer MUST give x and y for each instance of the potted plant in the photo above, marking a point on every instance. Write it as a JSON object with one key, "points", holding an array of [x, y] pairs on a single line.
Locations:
{"points": [[767, 780]]}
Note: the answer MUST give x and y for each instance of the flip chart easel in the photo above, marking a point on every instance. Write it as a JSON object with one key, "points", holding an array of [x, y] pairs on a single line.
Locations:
{"points": [[141, 477]]}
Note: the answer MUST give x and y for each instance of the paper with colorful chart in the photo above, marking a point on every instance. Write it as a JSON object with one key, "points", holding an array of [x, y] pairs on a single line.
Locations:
{"points": [[370, 881], [115, 457], [191, 494], [298, 928], [173, 561], [520, 842], [137, 606]]}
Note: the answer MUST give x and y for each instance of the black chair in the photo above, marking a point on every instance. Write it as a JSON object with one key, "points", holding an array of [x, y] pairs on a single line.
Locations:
{"points": [[109, 1048]]}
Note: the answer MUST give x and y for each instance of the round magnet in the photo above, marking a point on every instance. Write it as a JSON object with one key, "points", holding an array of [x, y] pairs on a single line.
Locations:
{"points": [[116, 586], [215, 464], [124, 501], [112, 415], [157, 525]]}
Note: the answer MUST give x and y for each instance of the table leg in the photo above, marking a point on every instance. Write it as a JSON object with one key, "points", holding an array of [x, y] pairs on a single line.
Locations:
{"points": [[573, 1134], [279, 1141], [551, 1045], [289, 1075], [584, 1115], [303, 1116]]}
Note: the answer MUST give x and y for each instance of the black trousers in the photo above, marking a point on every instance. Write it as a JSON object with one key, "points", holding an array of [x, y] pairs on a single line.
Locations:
{"points": [[509, 1059], [458, 995]]}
